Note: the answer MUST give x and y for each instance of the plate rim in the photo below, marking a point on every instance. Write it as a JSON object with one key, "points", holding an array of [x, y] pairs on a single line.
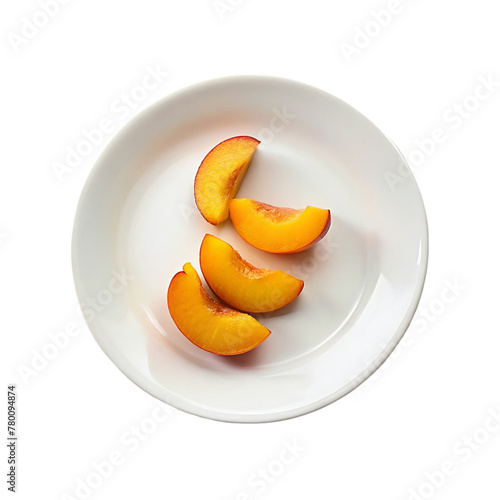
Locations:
{"points": [[140, 380]]}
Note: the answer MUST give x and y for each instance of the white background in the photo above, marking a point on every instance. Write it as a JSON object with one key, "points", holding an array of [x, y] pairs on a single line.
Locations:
{"points": [[430, 404]]}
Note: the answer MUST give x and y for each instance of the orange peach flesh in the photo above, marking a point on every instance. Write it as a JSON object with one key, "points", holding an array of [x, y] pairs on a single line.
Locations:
{"points": [[220, 176], [277, 229], [242, 285], [208, 324]]}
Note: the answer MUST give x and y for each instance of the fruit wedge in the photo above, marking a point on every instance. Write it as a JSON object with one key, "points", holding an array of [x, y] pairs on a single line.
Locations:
{"points": [[277, 229], [242, 285], [220, 175], [208, 324]]}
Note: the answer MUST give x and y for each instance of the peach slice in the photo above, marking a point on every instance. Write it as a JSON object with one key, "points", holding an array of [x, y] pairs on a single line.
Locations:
{"points": [[277, 229], [242, 285], [220, 175], [208, 324]]}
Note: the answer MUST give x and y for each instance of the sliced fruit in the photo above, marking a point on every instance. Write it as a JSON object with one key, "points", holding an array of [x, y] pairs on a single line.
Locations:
{"points": [[277, 229], [208, 324], [220, 175], [242, 285]]}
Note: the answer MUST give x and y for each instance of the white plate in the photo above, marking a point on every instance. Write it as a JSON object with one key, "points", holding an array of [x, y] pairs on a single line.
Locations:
{"points": [[362, 283]]}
